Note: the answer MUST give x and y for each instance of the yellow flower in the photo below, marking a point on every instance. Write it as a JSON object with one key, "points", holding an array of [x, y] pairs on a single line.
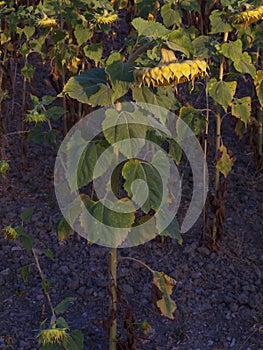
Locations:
{"points": [[52, 336], [106, 19], [170, 72], [46, 23], [249, 16], [10, 233]]}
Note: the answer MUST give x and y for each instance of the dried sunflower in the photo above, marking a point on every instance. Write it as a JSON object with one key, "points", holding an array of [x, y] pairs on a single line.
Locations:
{"points": [[106, 18], [46, 23], [52, 336], [249, 16], [10, 233], [170, 71]]}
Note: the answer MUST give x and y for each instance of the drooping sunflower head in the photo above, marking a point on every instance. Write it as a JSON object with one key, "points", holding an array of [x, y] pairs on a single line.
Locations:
{"points": [[170, 71], [47, 23], [52, 336], [10, 233], [248, 16], [106, 18]]}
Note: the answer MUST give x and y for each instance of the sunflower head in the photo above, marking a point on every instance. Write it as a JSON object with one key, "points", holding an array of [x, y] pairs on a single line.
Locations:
{"points": [[106, 18], [47, 23], [248, 16], [10, 233], [52, 336]]}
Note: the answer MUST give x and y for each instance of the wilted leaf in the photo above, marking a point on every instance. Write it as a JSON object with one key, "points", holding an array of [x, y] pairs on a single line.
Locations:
{"points": [[63, 229], [165, 285], [225, 162]]}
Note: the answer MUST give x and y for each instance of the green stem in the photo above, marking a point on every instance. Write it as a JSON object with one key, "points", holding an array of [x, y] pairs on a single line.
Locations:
{"points": [[218, 139], [205, 157], [43, 278], [23, 127], [113, 299]]}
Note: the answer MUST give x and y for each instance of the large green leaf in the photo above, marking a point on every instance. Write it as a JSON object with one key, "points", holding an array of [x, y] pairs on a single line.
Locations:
{"points": [[147, 198], [149, 29], [218, 22], [82, 34], [258, 81], [89, 159], [165, 285], [190, 5], [222, 92], [94, 52], [75, 341], [243, 65], [232, 50], [87, 87], [120, 74], [108, 226], [194, 119], [126, 132], [203, 47], [163, 97], [179, 40], [170, 15], [241, 108]]}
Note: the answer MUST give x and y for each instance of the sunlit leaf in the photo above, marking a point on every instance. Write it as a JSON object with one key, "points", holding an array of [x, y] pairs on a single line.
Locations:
{"points": [[165, 285], [222, 92], [225, 162], [241, 108]]}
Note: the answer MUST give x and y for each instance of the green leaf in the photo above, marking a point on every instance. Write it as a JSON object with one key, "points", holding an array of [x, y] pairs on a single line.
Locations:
{"points": [[222, 92], [203, 47], [258, 81], [165, 285], [86, 87], [219, 22], [82, 34], [55, 112], [88, 160], [163, 97], [194, 119], [61, 322], [75, 341], [63, 305], [241, 108], [57, 36], [179, 40], [47, 100], [49, 254], [149, 29], [232, 50], [111, 221], [170, 16], [127, 132], [28, 71], [243, 65], [175, 151], [4, 166], [26, 215], [63, 230], [120, 74], [29, 31], [190, 5], [27, 242], [52, 347], [173, 231], [225, 162], [94, 52], [25, 272], [147, 198]]}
